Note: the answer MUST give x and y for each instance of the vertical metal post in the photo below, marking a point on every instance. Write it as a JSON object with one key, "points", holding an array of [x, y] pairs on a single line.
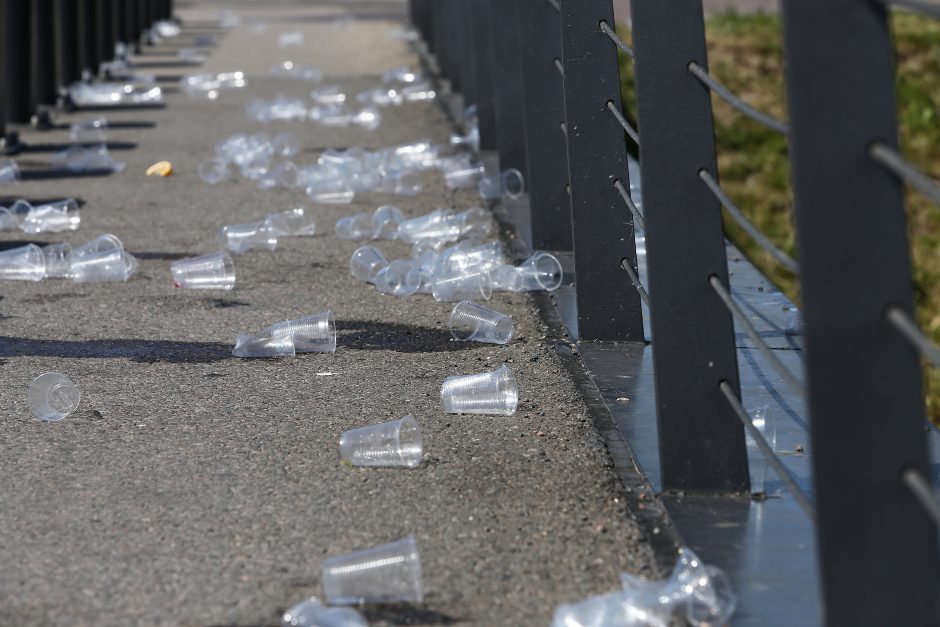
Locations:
{"points": [[15, 42], [119, 21], [68, 67], [105, 35], [468, 61], [9, 142], [85, 35], [608, 304], [143, 17], [864, 381], [482, 34], [701, 441], [508, 94], [132, 17], [539, 27], [41, 60]]}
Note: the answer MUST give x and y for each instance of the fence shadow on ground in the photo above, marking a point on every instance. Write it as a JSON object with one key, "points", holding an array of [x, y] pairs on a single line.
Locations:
{"points": [[141, 351]]}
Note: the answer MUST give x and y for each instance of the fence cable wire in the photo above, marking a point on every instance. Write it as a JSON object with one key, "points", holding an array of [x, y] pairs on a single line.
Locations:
{"points": [[928, 8], [726, 94], [620, 43], [644, 295], [559, 66], [555, 4], [752, 333], [908, 328], [924, 493], [781, 257], [768, 451], [638, 218], [892, 161], [634, 135]]}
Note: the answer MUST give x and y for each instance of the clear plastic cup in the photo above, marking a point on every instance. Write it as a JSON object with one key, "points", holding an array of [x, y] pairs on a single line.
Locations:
{"points": [[8, 220], [509, 183], [92, 131], [330, 94], [9, 171], [88, 159], [366, 262], [240, 238], [52, 396], [208, 272], [25, 263], [104, 266], [285, 174], [263, 345], [213, 171], [311, 613], [315, 333], [102, 243], [450, 284], [357, 227], [285, 145], [330, 196], [491, 393], [395, 443], [541, 271], [53, 217], [368, 118], [385, 221], [58, 259], [383, 574], [401, 277], [470, 322], [296, 222]]}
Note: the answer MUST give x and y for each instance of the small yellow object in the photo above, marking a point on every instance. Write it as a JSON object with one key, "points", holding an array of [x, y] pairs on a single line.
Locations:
{"points": [[161, 168]]}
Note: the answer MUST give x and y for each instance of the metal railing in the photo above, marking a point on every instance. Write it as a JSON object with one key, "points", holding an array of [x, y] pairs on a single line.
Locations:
{"points": [[553, 64]]}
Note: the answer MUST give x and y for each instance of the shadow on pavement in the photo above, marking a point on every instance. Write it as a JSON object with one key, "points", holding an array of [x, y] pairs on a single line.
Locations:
{"points": [[400, 338], [50, 147], [143, 351], [407, 614]]}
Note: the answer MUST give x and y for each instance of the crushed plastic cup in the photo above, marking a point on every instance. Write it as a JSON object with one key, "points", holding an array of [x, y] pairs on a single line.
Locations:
{"points": [[401, 277], [366, 263], [52, 396], [296, 222], [470, 322], [88, 159], [104, 266], [208, 272], [25, 263], [58, 259], [9, 171], [51, 217], [385, 221], [91, 131], [395, 443], [240, 238], [356, 227], [491, 393], [85, 94], [541, 271], [263, 345], [315, 333], [509, 183], [330, 94], [213, 171], [312, 613], [383, 574], [8, 220], [285, 174]]}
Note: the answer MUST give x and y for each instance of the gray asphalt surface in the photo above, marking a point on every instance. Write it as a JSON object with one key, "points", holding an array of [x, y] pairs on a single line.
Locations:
{"points": [[193, 488]]}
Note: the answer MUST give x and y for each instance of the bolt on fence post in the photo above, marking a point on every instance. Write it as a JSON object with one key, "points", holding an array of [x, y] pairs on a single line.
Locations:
{"points": [[608, 304], [539, 27], [15, 42], [508, 95], [701, 440], [42, 44], [876, 545]]}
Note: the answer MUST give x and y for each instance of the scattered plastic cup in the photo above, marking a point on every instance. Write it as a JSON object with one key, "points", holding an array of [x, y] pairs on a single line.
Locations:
{"points": [[366, 263], [103, 266], [52, 396], [401, 277], [509, 183], [315, 333], [263, 345], [51, 217], [357, 227], [491, 393], [383, 574], [25, 263], [294, 222], [385, 221], [453, 284], [58, 259], [92, 131], [102, 243], [470, 322], [208, 272], [9, 171], [240, 238], [312, 613], [395, 443], [541, 271], [213, 171]]}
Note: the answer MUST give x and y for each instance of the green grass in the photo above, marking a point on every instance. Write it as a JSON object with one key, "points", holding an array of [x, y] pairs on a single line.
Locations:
{"points": [[746, 54]]}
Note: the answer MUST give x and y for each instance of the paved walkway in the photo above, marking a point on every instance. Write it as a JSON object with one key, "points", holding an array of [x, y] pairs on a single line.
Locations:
{"points": [[192, 488]]}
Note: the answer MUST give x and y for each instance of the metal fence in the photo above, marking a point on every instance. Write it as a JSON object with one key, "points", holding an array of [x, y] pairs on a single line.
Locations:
{"points": [[544, 77], [46, 45]]}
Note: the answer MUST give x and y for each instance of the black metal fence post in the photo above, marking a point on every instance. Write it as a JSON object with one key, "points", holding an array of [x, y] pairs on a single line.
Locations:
{"points": [[482, 34], [68, 67], [701, 440], [466, 59], [42, 44], [608, 304], [15, 42], [103, 29], [508, 94], [539, 27], [877, 546]]}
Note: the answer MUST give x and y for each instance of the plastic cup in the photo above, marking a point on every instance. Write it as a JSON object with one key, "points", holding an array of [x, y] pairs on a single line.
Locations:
{"points": [[509, 183], [383, 574], [450, 284], [470, 322], [25, 263], [331, 94], [285, 145], [52, 396], [240, 238], [263, 345], [53, 217], [492, 393], [357, 227], [293, 222], [401, 277], [315, 333], [311, 613], [208, 272], [103, 266], [102, 243], [213, 171], [366, 262], [9, 171], [93, 131], [8, 220], [541, 271], [335, 196], [385, 221], [58, 259], [395, 443]]}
